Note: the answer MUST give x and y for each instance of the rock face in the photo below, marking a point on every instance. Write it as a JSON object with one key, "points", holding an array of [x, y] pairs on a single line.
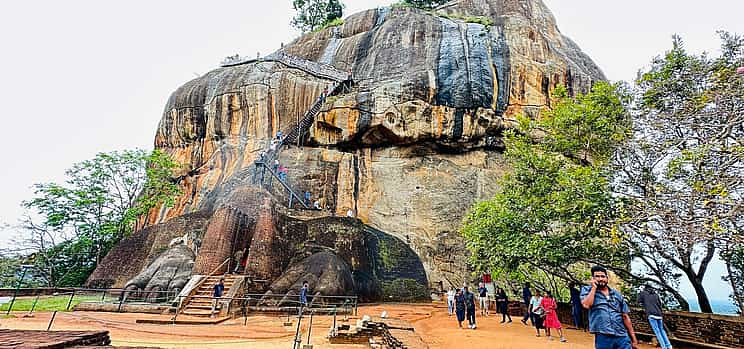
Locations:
{"points": [[413, 144]]}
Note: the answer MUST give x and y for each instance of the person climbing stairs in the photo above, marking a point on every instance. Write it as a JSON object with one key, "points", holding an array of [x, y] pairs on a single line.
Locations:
{"points": [[200, 302]]}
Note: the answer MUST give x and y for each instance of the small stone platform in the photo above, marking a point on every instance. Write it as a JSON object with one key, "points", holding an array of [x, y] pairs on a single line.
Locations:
{"points": [[29, 339]]}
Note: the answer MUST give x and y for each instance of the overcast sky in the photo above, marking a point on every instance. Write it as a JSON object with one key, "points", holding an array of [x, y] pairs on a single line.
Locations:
{"points": [[81, 77]]}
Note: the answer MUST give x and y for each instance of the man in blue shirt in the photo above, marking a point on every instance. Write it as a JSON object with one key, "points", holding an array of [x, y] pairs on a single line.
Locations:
{"points": [[608, 314], [303, 294], [219, 288]]}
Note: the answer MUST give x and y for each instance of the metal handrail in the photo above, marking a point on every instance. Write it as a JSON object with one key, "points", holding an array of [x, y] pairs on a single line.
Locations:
{"points": [[188, 298]]}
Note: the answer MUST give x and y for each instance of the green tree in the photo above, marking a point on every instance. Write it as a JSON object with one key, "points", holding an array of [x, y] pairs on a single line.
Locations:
{"points": [[314, 14], [97, 205], [425, 4], [554, 210], [683, 171]]}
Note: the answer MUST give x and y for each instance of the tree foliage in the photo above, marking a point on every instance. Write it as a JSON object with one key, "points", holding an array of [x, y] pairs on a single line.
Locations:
{"points": [[425, 4], [71, 226], [555, 208], [315, 14], [682, 172]]}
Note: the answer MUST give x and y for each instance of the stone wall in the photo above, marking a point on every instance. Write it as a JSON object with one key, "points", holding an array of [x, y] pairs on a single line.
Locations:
{"points": [[690, 330]]}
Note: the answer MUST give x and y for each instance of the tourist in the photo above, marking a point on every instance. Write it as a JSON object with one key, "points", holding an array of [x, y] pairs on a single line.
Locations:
{"points": [[576, 309], [350, 213], [279, 136], [307, 198], [451, 301], [551, 316], [469, 307], [537, 313], [282, 173], [460, 307], [651, 303], [317, 205], [238, 258], [526, 298], [303, 294], [273, 144], [276, 165], [219, 288], [483, 299], [608, 313], [502, 303]]}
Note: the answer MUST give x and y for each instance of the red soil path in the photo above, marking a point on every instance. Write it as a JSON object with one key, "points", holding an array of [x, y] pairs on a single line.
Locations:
{"points": [[267, 331]]}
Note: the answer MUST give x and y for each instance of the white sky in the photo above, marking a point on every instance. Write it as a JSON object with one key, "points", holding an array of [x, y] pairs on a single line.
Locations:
{"points": [[79, 77]]}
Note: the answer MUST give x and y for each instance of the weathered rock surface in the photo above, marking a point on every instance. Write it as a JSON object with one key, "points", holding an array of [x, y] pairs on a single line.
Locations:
{"points": [[170, 271], [408, 149]]}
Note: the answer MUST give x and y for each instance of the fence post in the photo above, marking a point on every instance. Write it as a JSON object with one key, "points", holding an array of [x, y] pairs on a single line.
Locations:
{"points": [[70, 301], [178, 309], [297, 339], [15, 293], [333, 330], [33, 306], [121, 300], [51, 320], [310, 327]]}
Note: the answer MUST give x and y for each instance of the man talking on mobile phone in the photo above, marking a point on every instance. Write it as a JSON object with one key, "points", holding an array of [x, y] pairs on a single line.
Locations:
{"points": [[608, 314]]}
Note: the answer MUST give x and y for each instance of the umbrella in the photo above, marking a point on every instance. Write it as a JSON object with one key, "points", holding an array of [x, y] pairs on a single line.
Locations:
{"points": [[740, 70]]}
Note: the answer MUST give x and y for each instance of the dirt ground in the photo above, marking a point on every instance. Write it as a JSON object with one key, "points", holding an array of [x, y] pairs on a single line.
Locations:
{"points": [[267, 331]]}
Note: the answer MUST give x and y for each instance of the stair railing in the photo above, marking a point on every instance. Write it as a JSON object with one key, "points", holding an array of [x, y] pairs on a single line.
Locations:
{"points": [[187, 300]]}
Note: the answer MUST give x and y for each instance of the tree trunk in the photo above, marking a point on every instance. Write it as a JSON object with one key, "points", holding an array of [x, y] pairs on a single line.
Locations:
{"points": [[733, 280], [702, 297]]}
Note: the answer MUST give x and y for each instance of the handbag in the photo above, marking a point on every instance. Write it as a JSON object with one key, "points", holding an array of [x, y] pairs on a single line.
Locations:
{"points": [[539, 311]]}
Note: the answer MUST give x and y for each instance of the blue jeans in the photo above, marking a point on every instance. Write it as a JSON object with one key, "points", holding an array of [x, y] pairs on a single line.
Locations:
{"points": [[658, 326], [450, 306], [603, 341]]}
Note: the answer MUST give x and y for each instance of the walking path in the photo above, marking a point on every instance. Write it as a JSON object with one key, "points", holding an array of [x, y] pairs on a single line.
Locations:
{"points": [[431, 323]]}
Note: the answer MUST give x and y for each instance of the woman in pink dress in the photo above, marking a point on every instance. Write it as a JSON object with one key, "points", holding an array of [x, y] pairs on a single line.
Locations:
{"points": [[551, 317]]}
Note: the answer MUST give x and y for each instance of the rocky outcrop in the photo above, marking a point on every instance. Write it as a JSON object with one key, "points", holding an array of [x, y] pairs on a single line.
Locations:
{"points": [[169, 272], [408, 149]]}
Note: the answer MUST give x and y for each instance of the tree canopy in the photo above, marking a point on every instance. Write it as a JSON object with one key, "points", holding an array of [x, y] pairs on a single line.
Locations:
{"points": [[425, 4], [648, 181], [69, 227], [555, 209], [683, 170], [315, 14]]}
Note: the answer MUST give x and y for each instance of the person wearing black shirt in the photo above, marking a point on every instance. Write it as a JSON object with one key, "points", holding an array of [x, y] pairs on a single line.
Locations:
{"points": [[576, 308], [502, 302], [526, 297], [483, 298], [470, 307]]}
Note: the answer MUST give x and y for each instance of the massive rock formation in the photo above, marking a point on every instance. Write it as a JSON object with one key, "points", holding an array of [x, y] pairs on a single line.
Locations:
{"points": [[413, 144]]}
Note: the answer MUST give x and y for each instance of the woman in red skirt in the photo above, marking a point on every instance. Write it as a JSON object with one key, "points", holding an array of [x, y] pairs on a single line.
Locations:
{"points": [[551, 317]]}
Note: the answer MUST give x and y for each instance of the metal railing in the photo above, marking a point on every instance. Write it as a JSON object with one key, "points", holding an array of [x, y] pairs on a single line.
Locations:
{"points": [[70, 297]]}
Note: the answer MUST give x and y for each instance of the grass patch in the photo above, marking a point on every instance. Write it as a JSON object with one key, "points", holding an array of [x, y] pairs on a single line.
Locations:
{"points": [[50, 303], [334, 23]]}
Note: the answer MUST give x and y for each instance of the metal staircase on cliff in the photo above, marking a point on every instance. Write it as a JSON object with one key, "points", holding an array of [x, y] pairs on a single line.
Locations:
{"points": [[295, 133]]}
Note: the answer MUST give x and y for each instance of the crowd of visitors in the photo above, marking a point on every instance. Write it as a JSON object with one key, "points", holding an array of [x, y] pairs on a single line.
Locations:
{"points": [[608, 311]]}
